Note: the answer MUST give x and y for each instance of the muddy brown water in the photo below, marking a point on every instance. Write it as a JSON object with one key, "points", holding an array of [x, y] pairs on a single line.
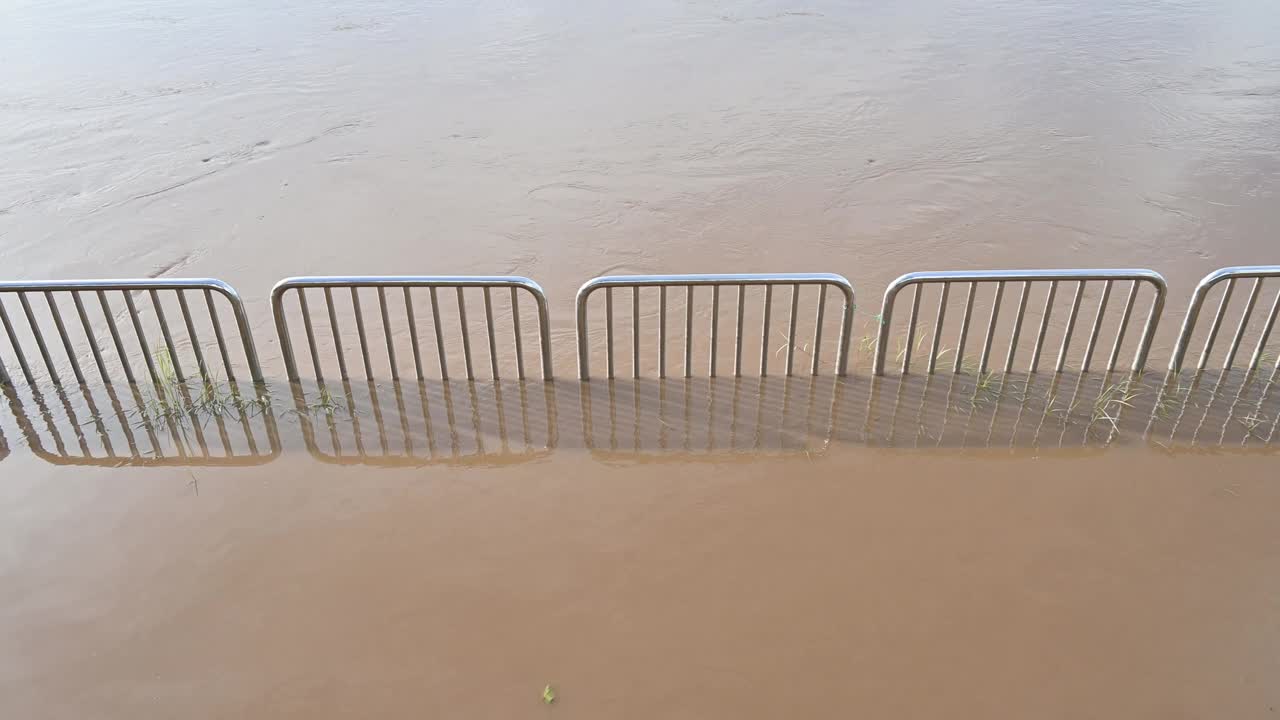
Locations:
{"points": [[684, 548]]}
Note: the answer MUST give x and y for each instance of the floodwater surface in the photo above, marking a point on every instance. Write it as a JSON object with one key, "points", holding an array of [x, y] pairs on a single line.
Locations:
{"points": [[950, 545]]}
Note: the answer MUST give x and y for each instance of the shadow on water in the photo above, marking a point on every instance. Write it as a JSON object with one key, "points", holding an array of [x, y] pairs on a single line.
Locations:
{"points": [[680, 420]]}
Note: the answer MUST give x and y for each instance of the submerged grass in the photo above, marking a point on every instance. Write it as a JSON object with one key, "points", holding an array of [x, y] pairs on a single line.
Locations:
{"points": [[326, 405], [1170, 400], [1111, 402], [1251, 423], [172, 400]]}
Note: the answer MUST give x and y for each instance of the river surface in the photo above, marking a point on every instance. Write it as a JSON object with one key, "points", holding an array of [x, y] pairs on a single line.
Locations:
{"points": [[686, 548]]}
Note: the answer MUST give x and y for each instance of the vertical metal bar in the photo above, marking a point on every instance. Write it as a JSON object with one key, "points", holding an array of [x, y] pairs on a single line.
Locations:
{"points": [[246, 338], [93, 339], [764, 330], [62, 333], [191, 333], [635, 332], [386, 332], [115, 335], [142, 336], [964, 327], [466, 336], [311, 335], [848, 305], [1044, 325], [35, 331], [911, 327], [4, 379], [1217, 324], [13, 342], [662, 331], [1023, 295], [515, 323], [488, 324], [413, 332], [937, 328], [364, 343], [435, 318], [1071, 325], [817, 329], [1244, 322], [1097, 326], [991, 329], [1124, 324], [715, 328], [688, 331], [168, 337], [278, 316], [544, 334], [737, 342], [1266, 333], [337, 336], [217, 333], [608, 329], [791, 327]]}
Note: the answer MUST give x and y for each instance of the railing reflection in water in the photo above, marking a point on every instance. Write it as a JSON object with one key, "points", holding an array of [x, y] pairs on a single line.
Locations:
{"points": [[1232, 407], [711, 416], [188, 424], [1011, 410], [1222, 409], [419, 423], [426, 421]]}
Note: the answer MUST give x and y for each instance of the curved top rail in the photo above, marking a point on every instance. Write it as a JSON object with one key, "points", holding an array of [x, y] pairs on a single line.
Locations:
{"points": [[440, 281], [127, 284], [717, 279], [1244, 271], [1026, 275]]}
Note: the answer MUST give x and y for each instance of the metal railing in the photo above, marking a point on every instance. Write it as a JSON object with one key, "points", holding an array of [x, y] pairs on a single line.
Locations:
{"points": [[1257, 273], [98, 291], [407, 284], [715, 282], [58, 329], [1025, 278]]}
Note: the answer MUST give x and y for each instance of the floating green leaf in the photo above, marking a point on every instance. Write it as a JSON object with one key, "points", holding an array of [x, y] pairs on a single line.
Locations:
{"points": [[548, 694]]}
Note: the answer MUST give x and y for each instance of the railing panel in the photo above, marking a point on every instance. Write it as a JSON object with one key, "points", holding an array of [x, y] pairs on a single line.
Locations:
{"points": [[723, 324], [164, 331], [1240, 330], [371, 327], [1032, 320]]}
